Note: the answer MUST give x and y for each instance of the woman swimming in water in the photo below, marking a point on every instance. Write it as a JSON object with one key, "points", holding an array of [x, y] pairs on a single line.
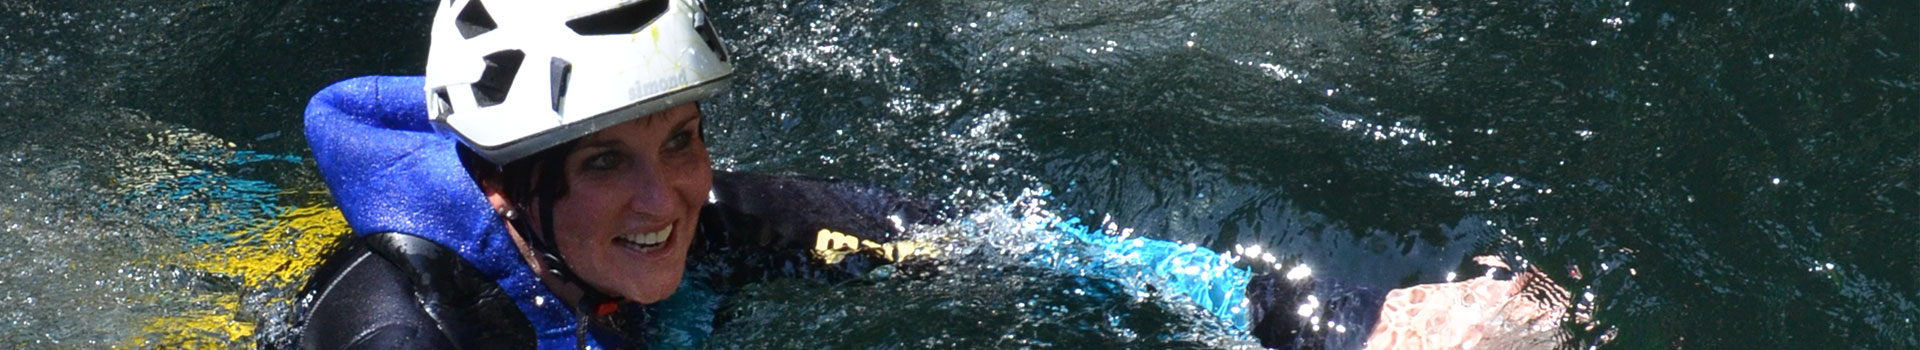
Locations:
{"points": [[547, 181]]}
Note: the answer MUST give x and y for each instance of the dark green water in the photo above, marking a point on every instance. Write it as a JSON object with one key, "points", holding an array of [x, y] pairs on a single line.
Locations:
{"points": [[1718, 175]]}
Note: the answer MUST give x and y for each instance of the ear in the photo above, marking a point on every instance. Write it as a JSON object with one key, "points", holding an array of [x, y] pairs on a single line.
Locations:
{"points": [[496, 196], [497, 200]]}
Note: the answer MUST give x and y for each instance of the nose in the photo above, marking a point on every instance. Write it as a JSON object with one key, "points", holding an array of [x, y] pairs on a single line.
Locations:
{"points": [[652, 195]]}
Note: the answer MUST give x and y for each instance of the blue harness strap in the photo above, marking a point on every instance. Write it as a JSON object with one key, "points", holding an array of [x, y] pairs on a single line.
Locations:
{"points": [[390, 172]]}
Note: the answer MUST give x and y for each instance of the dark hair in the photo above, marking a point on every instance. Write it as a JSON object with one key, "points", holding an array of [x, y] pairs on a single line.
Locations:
{"points": [[533, 182], [517, 178]]}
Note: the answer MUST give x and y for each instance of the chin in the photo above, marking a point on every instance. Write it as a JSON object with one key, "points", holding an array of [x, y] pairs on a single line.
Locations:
{"points": [[657, 285], [653, 281]]}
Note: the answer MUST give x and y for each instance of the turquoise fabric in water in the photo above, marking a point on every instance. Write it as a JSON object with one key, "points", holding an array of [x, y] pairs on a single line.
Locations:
{"points": [[1209, 279], [225, 206], [1206, 277]]}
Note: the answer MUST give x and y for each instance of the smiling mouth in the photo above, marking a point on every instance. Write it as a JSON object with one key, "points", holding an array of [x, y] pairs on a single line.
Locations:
{"points": [[646, 242]]}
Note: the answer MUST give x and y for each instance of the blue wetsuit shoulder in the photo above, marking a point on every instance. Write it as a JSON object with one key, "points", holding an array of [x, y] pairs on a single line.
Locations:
{"points": [[390, 172]]}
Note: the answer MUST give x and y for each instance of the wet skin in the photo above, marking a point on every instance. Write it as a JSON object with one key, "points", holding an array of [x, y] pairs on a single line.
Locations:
{"points": [[623, 182]]}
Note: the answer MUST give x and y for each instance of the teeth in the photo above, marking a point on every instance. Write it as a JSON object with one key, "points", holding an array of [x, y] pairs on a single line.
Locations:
{"points": [[649, 238]]}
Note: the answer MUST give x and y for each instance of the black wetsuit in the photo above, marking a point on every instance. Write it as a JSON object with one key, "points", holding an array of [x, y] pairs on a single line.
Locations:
{"points": [[395, 290]]}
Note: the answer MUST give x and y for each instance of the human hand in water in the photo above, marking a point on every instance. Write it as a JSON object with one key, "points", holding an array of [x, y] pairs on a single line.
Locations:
{"points": [[1483, 312]]}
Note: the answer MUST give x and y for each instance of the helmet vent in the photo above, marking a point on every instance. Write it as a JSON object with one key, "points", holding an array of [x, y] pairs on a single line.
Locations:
{"points": [[498, 77], [562, 72], [626, 19], [705, 28], [474, 20], [442, 106]]}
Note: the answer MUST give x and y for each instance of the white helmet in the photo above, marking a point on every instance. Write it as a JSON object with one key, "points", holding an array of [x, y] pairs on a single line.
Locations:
{"points": [[509, 78]]}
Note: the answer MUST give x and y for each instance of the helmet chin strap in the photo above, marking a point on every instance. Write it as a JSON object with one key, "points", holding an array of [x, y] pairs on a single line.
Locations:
{"points": [[593, 302], [537, 183]]}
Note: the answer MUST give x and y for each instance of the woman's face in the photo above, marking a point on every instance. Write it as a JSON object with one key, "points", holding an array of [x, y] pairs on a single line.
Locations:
{"points": [[633, 198]]}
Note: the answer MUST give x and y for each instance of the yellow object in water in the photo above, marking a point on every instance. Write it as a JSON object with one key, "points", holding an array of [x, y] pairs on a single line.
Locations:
{"points": [[276, 256], [831, 246], [199, 329], [280, 254]]}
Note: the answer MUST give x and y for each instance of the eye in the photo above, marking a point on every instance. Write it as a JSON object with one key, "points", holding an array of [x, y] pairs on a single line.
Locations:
{"points": [[608, 160], [679, 141]]}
